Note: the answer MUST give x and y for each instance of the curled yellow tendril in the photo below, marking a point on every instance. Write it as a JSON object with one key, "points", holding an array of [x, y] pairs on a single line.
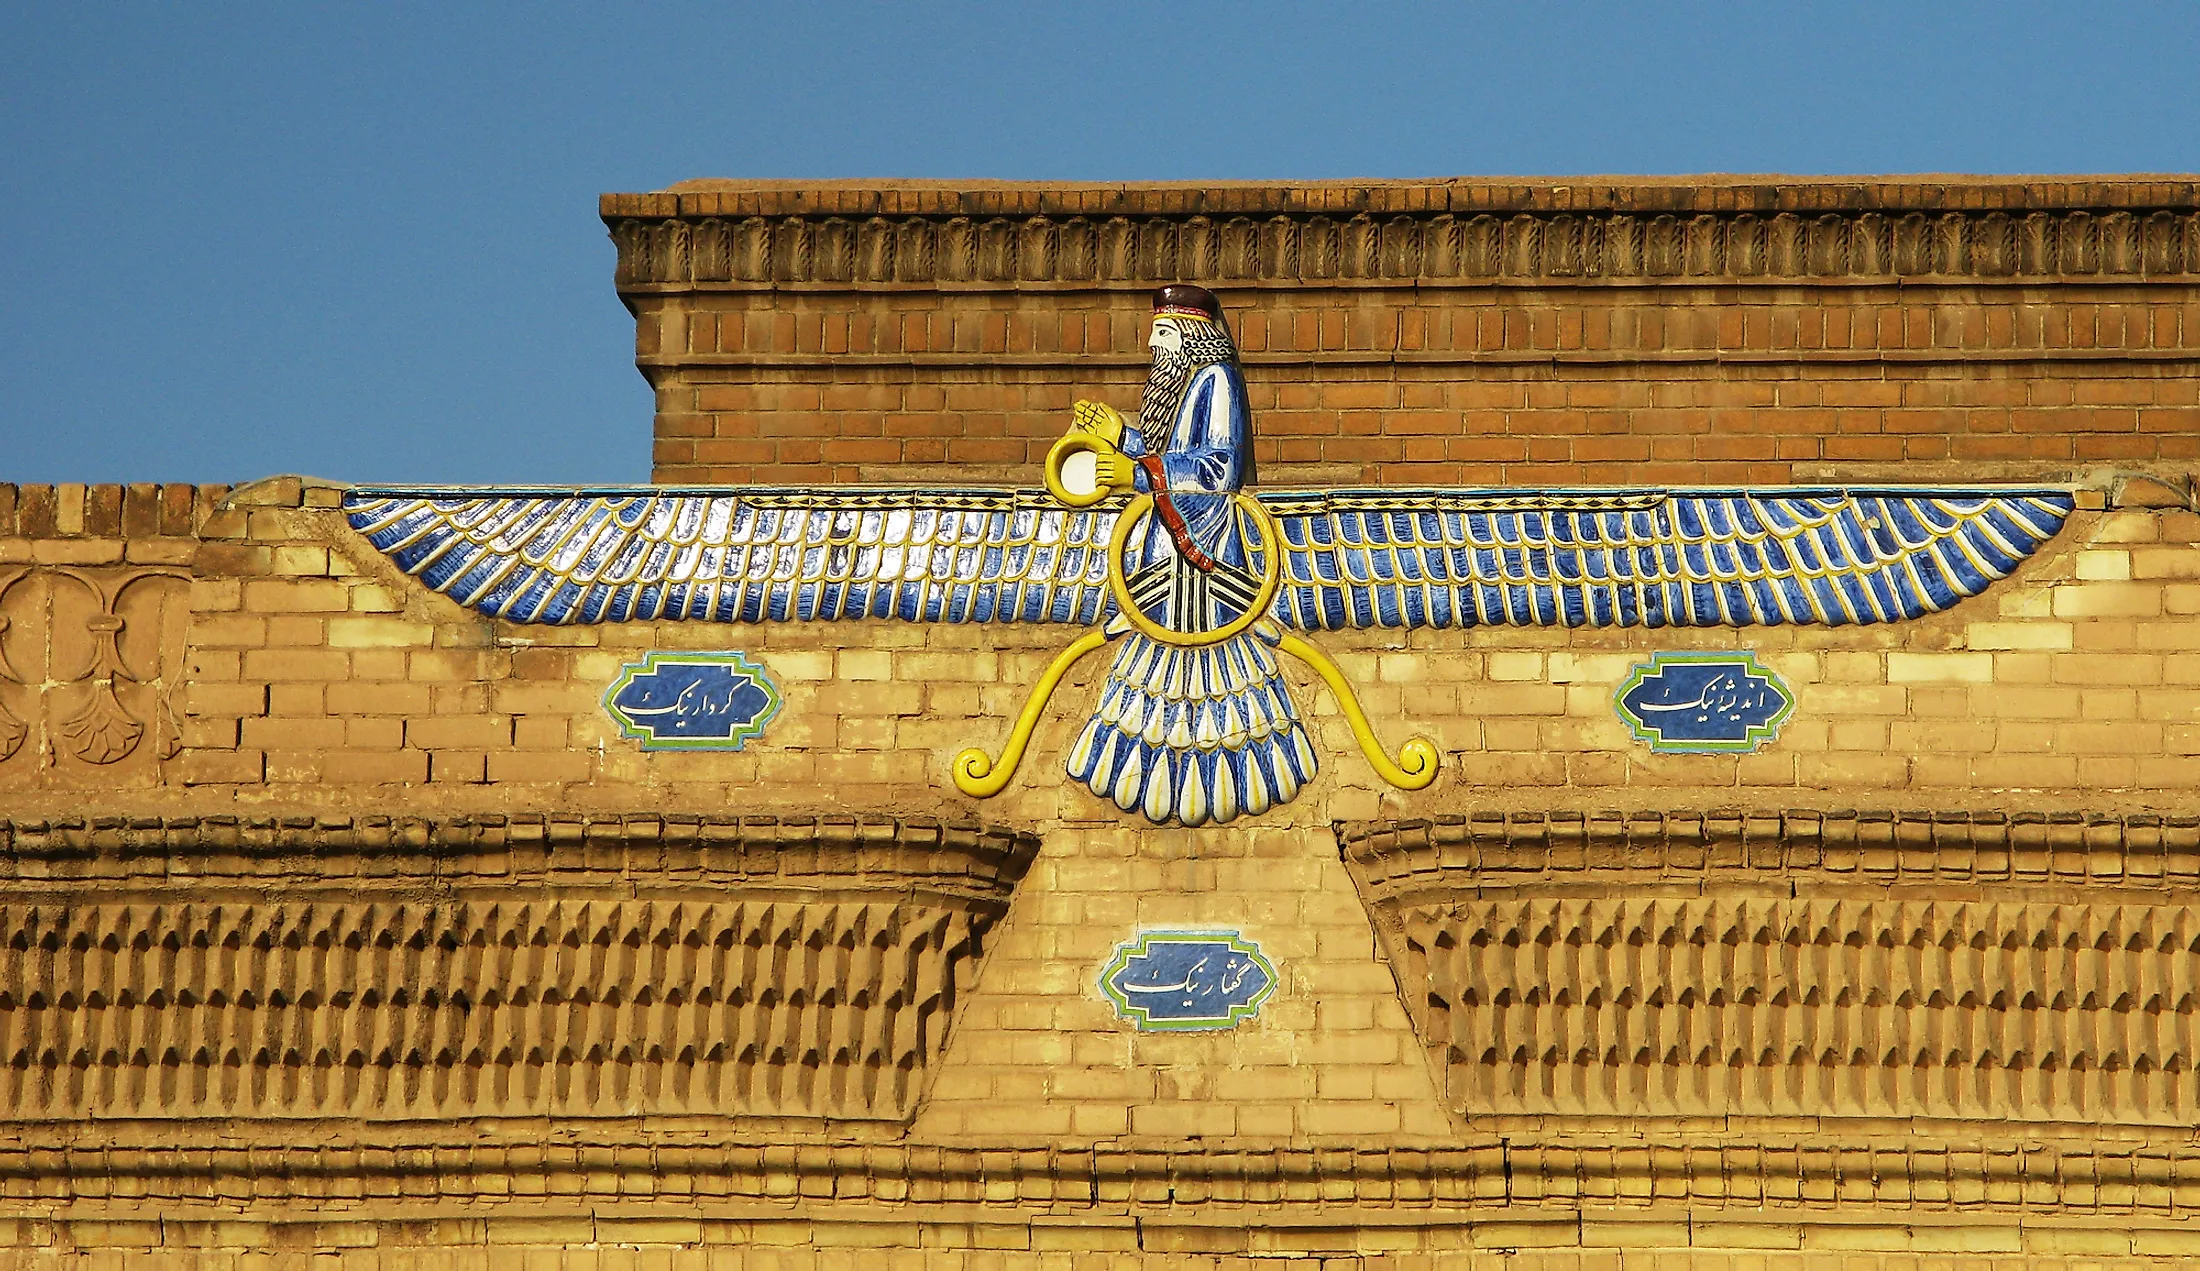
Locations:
{"points": [[1415, 766], [977, 773]]}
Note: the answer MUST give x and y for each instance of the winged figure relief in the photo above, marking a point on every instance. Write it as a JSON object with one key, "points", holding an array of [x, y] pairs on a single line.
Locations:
{"points": [[1150, 536]]}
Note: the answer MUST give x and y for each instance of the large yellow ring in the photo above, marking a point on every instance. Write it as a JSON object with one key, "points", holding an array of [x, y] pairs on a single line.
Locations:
{"points": [[1271, 577]]}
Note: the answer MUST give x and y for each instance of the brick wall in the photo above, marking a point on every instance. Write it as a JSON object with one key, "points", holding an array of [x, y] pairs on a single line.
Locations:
{"points": [[1442, 332], [340, 920], [352, 751], [304, 670]]}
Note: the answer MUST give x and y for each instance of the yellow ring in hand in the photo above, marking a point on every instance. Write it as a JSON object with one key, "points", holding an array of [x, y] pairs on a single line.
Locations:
{"points": [[1068, 444]]}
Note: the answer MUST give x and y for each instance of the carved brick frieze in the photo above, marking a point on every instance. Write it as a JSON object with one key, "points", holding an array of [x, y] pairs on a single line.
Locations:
{"points": [[1394, 858], [1912, 1173], [1435, 233], [956, 856], [1640, 968], [488, 966], [90, 661]]}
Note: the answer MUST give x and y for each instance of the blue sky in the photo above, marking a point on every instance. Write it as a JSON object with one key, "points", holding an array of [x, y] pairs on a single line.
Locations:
{"points": [[360, 241]]}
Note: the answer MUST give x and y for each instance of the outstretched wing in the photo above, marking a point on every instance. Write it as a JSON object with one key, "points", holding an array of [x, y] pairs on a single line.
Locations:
{"points": [[1684, 558], [747, 555]]}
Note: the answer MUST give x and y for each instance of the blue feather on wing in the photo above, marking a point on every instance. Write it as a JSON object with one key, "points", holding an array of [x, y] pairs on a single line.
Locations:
{"points": [[1651, 558], [1195, 735], [748, 555]]}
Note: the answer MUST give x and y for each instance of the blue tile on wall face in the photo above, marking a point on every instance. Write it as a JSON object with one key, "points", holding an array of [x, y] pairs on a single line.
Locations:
{"points": [[692, 701], [1182, 981], [1703, 703]]}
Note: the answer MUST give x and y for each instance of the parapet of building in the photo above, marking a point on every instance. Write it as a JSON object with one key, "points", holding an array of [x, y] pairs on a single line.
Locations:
{"points": [[1558, 332], [342, 918]]}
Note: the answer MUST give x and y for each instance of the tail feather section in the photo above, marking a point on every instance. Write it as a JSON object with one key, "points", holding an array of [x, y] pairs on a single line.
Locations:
{"points": [[1195, 735]]}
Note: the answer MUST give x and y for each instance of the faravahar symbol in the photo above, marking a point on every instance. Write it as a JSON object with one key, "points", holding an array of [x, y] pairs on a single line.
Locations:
{"points": [[1150, 534]]}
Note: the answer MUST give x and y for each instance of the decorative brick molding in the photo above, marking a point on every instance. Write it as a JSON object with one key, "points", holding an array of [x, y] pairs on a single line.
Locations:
{"points": [[145, 514], [1416, 859], [488, 966], [1889, 1175], [957, 856], [1563, 332], [1625, 967], [1420, 232]]}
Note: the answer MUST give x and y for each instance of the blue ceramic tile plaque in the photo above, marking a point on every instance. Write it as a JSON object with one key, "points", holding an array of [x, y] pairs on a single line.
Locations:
{"points": [[1703, 703], [1178, 981], [692, 701]]}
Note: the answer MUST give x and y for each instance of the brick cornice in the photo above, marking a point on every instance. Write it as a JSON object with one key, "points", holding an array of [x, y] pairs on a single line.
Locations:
{"points": [[1330, 233], [1490, 1175], [786, 851], [2131, 850], [1760, 193]]}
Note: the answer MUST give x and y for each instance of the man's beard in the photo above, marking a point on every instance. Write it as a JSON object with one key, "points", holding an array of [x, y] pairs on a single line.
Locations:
{"points": [[1165, 384]]}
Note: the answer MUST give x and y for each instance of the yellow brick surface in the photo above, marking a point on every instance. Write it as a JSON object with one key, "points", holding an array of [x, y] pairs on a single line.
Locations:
{"points": [[296, 674]]}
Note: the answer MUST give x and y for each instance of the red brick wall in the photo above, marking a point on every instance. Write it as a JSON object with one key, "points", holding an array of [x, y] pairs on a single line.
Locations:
{"points": [[1432, 333]]}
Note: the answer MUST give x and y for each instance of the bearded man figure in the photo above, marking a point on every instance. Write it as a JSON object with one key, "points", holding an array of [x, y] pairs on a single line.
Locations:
{"points": [[1195, 723]]}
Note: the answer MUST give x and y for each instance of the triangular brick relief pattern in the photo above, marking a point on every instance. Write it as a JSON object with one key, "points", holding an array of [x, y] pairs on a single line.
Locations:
{"points": [[1040, 1056], [1538, 996], [723, 993]]}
